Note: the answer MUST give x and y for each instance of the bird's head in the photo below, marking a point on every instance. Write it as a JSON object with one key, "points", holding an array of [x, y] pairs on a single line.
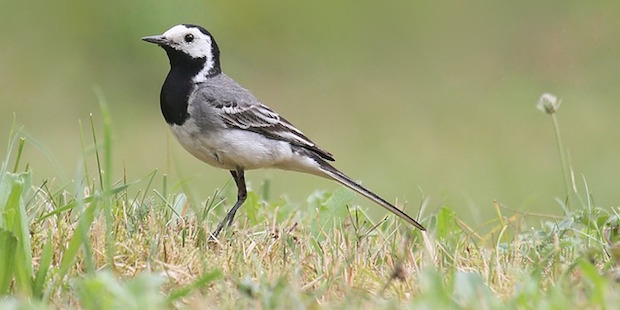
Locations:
{"points": [[190, 45]]}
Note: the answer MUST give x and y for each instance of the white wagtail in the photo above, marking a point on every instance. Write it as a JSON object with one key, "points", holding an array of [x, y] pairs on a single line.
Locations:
{"points": [[224, 125]]}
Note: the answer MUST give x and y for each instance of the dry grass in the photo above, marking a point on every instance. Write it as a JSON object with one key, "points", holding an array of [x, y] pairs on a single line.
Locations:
{"points": [[348, 263]]}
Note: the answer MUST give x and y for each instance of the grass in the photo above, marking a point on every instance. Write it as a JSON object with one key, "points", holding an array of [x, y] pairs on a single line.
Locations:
{"points": [[98, 243]]}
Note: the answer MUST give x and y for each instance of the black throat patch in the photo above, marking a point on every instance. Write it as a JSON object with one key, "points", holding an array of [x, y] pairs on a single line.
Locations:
{"points": [[178, 86]]}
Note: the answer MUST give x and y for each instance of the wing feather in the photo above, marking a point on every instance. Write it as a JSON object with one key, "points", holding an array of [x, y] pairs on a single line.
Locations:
{"points": [[261, 119]]}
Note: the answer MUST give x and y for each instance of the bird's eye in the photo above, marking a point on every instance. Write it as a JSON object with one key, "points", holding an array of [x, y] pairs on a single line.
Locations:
{"points": [[189, 38]]}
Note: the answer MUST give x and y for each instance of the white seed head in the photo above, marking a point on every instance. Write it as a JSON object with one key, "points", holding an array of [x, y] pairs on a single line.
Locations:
{"points": [[548, 103]]}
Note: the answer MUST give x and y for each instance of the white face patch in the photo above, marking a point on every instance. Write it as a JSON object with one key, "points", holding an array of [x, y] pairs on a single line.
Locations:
{"points": [[200, 46]]}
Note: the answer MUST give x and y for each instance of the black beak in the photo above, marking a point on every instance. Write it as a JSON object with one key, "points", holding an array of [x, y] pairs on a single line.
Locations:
{"points": [[159, 40]]}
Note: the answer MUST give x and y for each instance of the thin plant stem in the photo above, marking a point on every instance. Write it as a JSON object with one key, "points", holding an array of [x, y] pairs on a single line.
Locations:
{"points": [[20, 148], [558, 139]]}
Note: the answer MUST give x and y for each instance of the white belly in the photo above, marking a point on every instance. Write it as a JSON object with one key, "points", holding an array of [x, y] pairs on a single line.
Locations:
{"points": [[232, 148]]}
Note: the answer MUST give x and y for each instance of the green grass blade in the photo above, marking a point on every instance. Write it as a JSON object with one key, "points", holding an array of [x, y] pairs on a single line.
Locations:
{"points": [[16, 222], [199, 283], [44, 265], [83, 161], [97, 157], [79, 239], [65, 208], [85, 200], [334, 209], [20, 149], [148, 185], [8, 244], [106, 180], [598, 283]]}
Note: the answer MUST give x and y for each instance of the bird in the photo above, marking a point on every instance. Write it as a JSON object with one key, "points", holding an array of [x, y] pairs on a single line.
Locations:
{"points": [[224, 125]]}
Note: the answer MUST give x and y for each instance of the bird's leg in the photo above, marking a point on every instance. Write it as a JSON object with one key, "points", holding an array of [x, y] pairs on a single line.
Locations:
{"points": [[242, 194]]}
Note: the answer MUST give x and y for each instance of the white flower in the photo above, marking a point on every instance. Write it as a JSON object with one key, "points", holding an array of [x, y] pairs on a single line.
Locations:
{"points": [[548, 103]]}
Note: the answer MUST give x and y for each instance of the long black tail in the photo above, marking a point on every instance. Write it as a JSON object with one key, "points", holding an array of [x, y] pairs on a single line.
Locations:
{"points": [[346, 181]]}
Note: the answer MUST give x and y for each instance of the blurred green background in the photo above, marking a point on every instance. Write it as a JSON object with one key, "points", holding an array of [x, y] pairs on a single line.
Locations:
{"points": [[434, 97]]}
